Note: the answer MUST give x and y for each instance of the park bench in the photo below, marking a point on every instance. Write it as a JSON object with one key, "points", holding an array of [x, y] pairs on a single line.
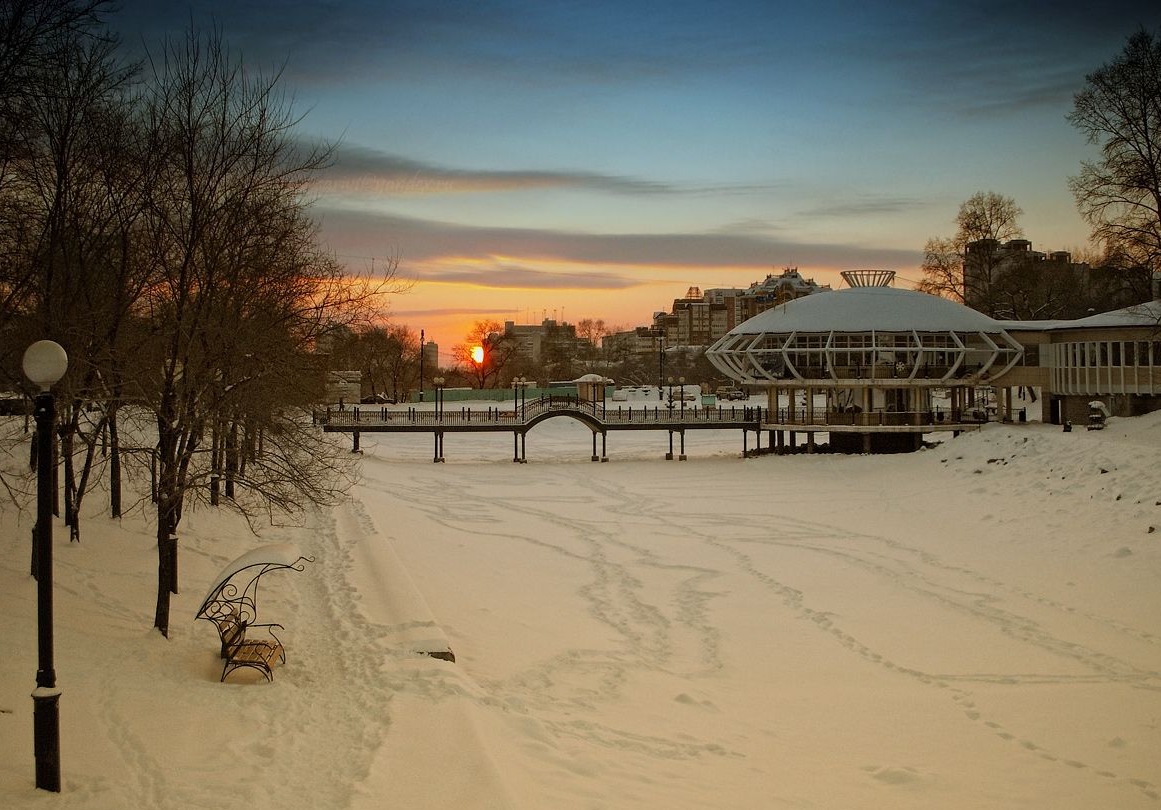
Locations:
{"points": [[232, 606], [240, 651]]}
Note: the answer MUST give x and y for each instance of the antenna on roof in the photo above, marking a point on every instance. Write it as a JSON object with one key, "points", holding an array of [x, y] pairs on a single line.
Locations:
{"points": [[868, 278]]}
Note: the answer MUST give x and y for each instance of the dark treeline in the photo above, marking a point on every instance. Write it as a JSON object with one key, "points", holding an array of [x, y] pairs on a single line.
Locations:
{"points": [[153, 222]]}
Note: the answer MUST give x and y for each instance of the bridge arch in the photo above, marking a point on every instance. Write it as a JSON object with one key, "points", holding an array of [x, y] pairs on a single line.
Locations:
{"points": [[589, 420]]}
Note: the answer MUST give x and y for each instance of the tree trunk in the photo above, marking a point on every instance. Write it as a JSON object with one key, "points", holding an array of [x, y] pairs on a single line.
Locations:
{"points": [[231, 457], [114, 463], [215, 463], [70, 482], [166, 574]]}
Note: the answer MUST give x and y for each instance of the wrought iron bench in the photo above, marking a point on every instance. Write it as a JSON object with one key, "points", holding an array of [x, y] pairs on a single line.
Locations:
{"points": [[240, 651], [232, 606]]}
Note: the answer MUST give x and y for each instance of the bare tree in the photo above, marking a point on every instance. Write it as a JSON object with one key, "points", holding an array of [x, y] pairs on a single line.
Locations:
{"points": [[241, 292], [984, 221], [387, 357], [497, 352], [400, 359], [1120, 110], [85, 290], [61, 218], [943, 269], [33, 36]]}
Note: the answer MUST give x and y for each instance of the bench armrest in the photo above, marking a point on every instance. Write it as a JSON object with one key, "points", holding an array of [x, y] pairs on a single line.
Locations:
{"points": [[266, 624]]}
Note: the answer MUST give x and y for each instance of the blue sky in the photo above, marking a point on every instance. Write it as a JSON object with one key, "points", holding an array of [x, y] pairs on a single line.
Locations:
{"points": [[595, 159]]}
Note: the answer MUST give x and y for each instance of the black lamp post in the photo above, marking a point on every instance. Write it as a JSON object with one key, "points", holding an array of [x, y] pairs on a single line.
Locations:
{"points": [[421, 365], [45, 362], [660, 360], [438, 383], [681, 383]]}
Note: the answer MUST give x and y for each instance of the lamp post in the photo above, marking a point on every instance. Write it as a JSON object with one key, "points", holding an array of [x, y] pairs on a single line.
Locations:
{"points": [[437, 433], [681, 384], [438, 383], [660, 360], [45, 362], [421, 365], [520, 389]]}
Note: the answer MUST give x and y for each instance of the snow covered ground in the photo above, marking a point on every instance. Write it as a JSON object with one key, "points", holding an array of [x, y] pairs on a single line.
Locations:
{"points": [[976, 625]]}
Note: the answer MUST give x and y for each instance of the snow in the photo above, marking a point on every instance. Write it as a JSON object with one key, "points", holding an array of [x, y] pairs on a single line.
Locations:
{"points": [[867, 309], [271, 554], [976, 625], [1146, 314]]}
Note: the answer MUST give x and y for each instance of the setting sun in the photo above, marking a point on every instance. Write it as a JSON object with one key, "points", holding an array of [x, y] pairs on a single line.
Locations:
{"points": [[477, 354]]}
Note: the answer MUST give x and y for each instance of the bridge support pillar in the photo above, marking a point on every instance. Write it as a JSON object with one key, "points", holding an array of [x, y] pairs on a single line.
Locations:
{"points": [[669, 455], [515, 447], [604, 454], [355, 442], [438, 446], [681, 457], [595, 457]]}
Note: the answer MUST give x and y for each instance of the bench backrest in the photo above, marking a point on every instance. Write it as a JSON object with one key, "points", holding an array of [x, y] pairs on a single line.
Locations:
{"points": [[231, 630]]}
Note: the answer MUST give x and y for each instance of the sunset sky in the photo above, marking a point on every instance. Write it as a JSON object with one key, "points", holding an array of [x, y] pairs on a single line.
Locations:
{"points": [[595, 159]]}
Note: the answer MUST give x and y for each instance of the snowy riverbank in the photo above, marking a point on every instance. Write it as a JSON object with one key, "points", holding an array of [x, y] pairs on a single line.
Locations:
{"points": [[972, 626]]}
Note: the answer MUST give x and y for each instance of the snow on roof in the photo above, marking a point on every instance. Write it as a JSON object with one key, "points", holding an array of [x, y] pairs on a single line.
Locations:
{"points": [[863, 309], [280, 554], [1146, 314]]}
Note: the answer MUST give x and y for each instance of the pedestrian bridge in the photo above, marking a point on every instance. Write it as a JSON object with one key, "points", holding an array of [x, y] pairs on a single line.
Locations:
{"points": [[676, 418], [851, 431]]}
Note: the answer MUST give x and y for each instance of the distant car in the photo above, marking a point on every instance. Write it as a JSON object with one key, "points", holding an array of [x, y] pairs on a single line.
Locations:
{"points": [[737, 393]]}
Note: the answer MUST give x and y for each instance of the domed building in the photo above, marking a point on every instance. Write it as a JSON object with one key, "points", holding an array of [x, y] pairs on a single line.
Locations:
{"points": [[864, 364]]}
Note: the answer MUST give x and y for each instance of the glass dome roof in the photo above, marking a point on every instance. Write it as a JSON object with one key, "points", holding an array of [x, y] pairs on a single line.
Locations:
{"points": [[852, 336]]}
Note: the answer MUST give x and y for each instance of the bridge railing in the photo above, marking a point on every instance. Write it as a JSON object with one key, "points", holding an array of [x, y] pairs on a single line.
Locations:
{"points": [[524, 412], [936, 416]]}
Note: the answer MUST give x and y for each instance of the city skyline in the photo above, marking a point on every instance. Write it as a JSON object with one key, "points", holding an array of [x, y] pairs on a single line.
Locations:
{"points": [[598, 159]]}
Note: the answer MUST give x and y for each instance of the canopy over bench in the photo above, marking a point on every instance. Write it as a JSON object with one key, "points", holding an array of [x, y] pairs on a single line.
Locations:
{"points": [[232, 606]]}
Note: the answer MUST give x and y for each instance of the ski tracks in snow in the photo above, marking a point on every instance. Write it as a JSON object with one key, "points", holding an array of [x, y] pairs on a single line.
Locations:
{"points": [[1032, 620], [674, 631], [559, 692]]}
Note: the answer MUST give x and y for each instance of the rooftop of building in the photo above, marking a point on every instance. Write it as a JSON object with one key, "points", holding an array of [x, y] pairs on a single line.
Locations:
{"points": [[865, 309]]}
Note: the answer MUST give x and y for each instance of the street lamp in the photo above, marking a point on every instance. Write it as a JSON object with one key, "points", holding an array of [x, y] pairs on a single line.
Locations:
{"points": [[520, 389], [660, 359], [438, 383], [45, 362], [421, 365], [437, 433], [681, 384]]}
